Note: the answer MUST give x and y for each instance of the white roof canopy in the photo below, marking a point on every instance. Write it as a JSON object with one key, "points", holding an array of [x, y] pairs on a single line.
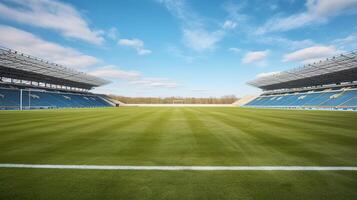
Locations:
{"points": [[26, 63], [332, 65]]}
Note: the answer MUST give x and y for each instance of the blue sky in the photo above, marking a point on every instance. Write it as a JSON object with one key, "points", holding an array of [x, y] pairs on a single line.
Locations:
{"points": [[179, 47]]}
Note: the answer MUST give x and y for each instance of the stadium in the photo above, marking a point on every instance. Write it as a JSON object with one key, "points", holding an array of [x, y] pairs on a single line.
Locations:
{"points": [[178, 100], [28, 82], [176, 148]]}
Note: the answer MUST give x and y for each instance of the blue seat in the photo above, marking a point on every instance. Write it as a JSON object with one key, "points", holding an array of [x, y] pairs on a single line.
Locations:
{"points": [[324, 99], [10, 99]]}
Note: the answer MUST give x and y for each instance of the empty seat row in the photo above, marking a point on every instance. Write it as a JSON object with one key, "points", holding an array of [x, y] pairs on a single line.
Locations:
{"points": [[11, 99], [323, 99]]}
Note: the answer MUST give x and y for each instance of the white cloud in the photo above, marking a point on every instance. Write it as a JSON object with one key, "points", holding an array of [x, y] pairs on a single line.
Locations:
{"points": [[133, 77], [317, 11], [179, 9], [137, 44], [282, 41], [235, 50], [311, 54], [180, 54], [228, 24], [200, 40], [28, 43], [264, 74], [53, 15], [112, 33], [255, 57], [195, 34], [349, 42], [111, 71], [155, 83], [235, 11], [144, 51]]}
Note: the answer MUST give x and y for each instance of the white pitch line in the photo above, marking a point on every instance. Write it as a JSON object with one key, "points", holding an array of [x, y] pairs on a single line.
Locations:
{"points": [[184, 168]]}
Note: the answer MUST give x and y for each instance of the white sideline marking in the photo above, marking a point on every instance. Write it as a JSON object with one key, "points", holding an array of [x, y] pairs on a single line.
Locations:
{"points": [[184, 168]]}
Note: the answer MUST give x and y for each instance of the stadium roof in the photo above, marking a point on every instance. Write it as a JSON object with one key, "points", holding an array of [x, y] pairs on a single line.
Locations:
{"points": [[338, 69], [14, 64]]}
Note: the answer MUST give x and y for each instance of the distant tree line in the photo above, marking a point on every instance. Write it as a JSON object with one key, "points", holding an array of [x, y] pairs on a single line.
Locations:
{"points": [[228, 99]]}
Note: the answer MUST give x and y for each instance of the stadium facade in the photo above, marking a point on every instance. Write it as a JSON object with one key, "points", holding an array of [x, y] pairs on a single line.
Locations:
{"points": [[327, 84], [27, 82]]}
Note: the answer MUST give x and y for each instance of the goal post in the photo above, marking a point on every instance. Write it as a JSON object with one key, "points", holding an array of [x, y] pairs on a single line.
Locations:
{"points": [[178, 101]]}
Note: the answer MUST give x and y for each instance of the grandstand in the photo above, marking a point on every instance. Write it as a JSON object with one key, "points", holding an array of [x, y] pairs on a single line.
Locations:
{"points": [[327, 84], [27, 82]]}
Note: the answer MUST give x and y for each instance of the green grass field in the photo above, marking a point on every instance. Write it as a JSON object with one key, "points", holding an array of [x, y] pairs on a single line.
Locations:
{"points": [[178, 136]]}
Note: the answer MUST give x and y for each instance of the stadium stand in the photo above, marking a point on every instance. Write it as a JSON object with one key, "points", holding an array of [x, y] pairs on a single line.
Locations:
{"points": [[328, 84], [27, 82]]}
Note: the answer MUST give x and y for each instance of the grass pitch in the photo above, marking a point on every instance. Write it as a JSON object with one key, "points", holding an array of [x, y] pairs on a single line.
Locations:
{"points": [[178, 136]]}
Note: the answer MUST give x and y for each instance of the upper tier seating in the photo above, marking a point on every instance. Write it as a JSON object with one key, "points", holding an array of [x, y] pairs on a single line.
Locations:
{"points": [[10, 99]]}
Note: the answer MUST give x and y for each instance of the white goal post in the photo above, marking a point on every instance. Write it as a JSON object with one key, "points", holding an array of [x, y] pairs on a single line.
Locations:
{"points": [[178, 101]]}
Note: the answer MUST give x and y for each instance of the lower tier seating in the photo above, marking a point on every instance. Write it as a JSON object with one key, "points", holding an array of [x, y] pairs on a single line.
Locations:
{"points": [[338, 99], [34, 99]]}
